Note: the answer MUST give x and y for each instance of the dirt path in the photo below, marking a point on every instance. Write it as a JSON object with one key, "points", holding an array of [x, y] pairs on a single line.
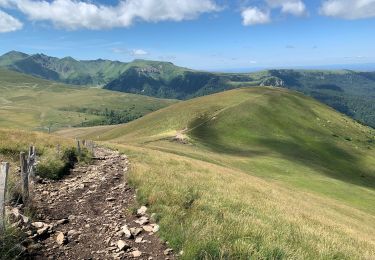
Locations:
{"points": [[88, 215]]}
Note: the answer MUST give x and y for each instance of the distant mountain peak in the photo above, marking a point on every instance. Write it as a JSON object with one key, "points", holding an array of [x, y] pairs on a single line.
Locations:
{"points": [[68, 58], [13, 52]]}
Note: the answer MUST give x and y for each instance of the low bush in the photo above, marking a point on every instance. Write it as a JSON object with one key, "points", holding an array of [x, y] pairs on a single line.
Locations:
{"points": [[55, 166]]}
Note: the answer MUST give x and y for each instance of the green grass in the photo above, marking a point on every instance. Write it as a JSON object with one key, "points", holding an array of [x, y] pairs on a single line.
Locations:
{"points": [[266, 174], [36, 104]]}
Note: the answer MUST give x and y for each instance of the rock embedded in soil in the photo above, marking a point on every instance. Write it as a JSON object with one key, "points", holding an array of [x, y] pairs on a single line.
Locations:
{"points": [[136, 231], [61, 238], [38, 224], [148, 228], [143, 220], [136, 253], [122, 245], [128, 234], [142, 211]]}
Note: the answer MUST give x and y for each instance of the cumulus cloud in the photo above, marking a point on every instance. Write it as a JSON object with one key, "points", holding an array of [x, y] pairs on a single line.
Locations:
{"points": [[253, 15], [348, 9], [76, 14], [8, 23], [294, 7]]}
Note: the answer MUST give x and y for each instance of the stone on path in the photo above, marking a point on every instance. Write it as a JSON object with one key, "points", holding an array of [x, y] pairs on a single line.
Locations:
{"points": [[127, 232], [122, 245], [143, 221], [61, 238], [136, 253]]}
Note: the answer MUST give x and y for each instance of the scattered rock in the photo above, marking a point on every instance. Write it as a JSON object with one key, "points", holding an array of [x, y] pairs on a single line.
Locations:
{"points": [[148, 228], [136, 231], [61, 238], [142, 220], [38, 224], [156, 228], [127, 232], [42, 231], [136, 253], [168, 251], [142, 211], [98, 227], [122, 245]]}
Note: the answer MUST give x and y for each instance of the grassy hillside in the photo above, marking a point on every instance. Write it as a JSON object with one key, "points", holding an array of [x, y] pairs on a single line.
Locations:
{"points": [[31, 103], [265, 173], [349, 92]]}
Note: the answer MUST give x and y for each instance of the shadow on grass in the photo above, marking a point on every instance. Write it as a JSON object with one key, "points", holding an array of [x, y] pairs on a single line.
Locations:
{"points": [[321, 155]]}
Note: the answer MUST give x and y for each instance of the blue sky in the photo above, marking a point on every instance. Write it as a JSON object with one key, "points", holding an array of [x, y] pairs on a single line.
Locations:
{"points": [[201, 34]]}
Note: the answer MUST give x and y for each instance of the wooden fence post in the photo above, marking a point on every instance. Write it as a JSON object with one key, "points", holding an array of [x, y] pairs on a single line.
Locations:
{"points": [[79, 147], [4, 171], [31, 162], [24, 177], [58, 148]]}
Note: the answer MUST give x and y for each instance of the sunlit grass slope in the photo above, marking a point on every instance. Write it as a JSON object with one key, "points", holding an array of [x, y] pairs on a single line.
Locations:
{"points": [[260, 172], [31, 103]]}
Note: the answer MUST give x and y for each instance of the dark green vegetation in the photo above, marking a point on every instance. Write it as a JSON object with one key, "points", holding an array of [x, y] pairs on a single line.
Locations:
{"points": [[266, 173], [32, 103], [66, 70], [349, 92]]}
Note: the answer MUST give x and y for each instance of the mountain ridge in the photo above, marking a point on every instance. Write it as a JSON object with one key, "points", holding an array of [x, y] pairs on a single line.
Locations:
{"points": [[350, 92]]}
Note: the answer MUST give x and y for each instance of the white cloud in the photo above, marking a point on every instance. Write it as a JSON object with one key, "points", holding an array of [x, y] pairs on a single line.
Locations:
{"points": [[131, 52], [348, 9], [294, 7], [9, 23], [74, 14], [138, 52], [253, 15]]}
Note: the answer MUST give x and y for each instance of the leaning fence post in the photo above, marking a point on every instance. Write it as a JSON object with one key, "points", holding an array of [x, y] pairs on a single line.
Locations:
{"points": [[4, 170], [24, 177]]}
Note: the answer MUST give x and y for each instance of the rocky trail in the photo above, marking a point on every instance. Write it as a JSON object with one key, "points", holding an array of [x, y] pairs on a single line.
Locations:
{"points": [[89, 215]]}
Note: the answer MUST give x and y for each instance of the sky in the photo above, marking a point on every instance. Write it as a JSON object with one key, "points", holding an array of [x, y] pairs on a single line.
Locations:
{"points": [[200, 34]]}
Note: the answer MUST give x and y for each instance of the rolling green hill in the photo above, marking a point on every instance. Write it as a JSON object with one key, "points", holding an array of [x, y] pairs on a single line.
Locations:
{"points": [[349, 92], [266, 173], [32, 103]]}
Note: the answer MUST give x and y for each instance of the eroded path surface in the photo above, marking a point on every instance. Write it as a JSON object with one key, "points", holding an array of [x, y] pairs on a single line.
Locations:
{"points": [[89, 215]]}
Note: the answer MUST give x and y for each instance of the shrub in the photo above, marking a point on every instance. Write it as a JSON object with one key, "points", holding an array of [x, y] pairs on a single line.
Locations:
{"points": [[54, 166]]}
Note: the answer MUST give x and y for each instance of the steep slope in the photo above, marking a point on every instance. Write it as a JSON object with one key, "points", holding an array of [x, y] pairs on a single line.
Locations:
{"points": [[33, 103], [253, 173]]}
